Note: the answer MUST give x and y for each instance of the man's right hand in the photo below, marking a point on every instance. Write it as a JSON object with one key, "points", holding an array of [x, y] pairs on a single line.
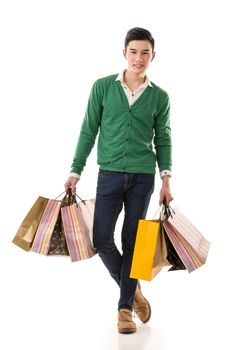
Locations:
{"points": [[71, 183]]}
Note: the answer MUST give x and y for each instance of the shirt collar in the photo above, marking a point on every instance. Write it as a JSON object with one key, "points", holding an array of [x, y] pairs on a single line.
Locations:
{"points": [[145, 84]]}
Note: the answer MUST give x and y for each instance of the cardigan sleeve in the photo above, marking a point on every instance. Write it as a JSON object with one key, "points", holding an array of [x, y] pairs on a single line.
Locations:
{"points": [[89, 129], [162, 136]]}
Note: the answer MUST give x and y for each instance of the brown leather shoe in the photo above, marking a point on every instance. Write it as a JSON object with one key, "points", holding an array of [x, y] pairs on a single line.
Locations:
{"points": [[125, 323], [141, 306]]}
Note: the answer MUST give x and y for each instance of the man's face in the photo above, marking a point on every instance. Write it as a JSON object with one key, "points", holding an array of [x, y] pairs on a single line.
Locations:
{"points": [[139, 55]]}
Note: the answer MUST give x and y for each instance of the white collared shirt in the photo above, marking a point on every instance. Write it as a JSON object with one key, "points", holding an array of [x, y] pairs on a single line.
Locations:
{"points": [[133, 95]]}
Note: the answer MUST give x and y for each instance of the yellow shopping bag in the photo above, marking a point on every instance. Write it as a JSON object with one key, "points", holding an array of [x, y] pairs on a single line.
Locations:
{"points": [[143, 262]]}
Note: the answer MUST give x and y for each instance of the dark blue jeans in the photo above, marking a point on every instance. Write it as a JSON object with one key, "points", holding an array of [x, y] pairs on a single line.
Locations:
{"points": [[113, 190]]}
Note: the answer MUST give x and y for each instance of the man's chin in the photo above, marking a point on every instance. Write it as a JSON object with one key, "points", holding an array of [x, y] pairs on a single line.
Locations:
{"points": [[137, 70]]}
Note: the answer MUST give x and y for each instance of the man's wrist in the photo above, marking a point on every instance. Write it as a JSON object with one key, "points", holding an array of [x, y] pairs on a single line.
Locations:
{"points": [[166, 181], [165, 174], [75, 175], [166, 178]]}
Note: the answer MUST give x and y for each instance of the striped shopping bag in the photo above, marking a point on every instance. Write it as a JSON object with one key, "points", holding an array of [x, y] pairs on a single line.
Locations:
{"points": [[190, 245], [46, 227], [49, 238], [78, 228]]}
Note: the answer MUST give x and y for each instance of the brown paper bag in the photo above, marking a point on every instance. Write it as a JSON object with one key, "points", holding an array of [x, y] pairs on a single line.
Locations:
{"points": [[27, 230], [161, 253]]}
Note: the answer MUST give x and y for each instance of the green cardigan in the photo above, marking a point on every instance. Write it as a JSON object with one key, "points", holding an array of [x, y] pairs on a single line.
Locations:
{"points": [[126, 134]]}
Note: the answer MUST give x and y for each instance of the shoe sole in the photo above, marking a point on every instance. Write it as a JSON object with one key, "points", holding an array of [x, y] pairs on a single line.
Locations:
{"points": [[127, 330], [149, 316]]}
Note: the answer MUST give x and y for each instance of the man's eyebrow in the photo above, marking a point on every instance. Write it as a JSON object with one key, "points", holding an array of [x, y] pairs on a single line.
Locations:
{"points": [[147, 50]]}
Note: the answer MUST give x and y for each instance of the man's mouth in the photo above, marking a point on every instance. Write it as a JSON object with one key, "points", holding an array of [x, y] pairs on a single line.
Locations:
{"points": [[138, 65]]}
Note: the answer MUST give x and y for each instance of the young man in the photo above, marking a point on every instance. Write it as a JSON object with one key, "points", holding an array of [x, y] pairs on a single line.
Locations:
{"points": [[131, 115]]}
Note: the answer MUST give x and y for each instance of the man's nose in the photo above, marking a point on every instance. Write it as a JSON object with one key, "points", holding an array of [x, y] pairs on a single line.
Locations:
{"points": [[139, 58]]}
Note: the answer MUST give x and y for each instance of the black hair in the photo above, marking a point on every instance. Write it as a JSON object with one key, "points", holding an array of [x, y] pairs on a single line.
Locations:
{"points": [[138, 33]]}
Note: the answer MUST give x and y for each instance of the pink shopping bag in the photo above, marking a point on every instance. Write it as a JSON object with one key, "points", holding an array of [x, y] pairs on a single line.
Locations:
{"points": [[190, 245]]}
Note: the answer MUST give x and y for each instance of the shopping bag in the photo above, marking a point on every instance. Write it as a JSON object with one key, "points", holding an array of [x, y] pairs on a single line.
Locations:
{"points": [[172, 256], [51, 226], [161, 258], [27, 230], [58, 245], [190, 245], [78, 228], [145, 249], [46, 227]]}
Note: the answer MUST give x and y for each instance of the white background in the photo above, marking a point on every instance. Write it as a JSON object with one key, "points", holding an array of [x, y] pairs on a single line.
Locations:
{"points": [[51, 53]]}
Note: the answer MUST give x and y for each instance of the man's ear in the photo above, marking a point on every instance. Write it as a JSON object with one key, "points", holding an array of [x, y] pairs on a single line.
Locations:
{"points": [[124, 53], [153, 55]]}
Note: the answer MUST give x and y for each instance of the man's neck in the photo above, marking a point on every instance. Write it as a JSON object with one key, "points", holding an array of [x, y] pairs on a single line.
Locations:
{"points": [[132, 78]]}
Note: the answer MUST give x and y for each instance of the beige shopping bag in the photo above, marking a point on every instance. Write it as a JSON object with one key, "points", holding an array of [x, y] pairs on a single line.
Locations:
{"points": [[27, 230], [161, 254]]}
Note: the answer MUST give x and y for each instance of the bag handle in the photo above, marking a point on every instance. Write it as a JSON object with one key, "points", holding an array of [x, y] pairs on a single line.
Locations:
{"points": [[158, 211], [67, 199], [70, 196], [166, 209]]}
